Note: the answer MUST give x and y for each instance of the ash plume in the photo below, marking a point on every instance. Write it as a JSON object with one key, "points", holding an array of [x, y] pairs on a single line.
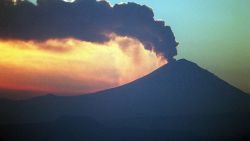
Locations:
{"points": [[87, 20]]}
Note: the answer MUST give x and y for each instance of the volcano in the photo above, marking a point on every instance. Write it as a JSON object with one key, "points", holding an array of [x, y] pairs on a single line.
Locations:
{"points": [[179, 101]]}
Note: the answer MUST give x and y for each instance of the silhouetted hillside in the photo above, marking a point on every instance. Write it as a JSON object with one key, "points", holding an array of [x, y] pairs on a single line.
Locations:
{"points": [[179, 101]]}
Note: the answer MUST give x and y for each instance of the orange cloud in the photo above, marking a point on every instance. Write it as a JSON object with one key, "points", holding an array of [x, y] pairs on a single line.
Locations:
{"points": [[71, 66]]}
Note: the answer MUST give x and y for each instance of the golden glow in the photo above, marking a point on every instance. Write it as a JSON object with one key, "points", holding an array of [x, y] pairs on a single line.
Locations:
{"points": [[71, 66]]}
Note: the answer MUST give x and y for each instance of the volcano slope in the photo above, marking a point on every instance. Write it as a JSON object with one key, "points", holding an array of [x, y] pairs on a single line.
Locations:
{"points": [[179, 101]]}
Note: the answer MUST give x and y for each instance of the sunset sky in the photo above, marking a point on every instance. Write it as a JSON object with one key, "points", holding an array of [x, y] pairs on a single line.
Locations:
{"points": [[71, 66], [213, 34]]}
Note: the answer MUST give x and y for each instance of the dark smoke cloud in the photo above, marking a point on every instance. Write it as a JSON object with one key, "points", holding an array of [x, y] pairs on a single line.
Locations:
{"points": [[87, 20]]}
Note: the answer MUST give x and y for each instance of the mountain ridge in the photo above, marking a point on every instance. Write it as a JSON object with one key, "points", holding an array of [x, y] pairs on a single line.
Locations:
{"points": [[179, 88]]}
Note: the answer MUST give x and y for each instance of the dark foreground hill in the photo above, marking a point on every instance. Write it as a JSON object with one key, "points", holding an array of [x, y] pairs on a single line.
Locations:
{"points": [[179, 101]]}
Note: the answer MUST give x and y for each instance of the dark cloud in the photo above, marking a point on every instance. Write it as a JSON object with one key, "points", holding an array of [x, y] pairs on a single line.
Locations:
{"points": [[87, 20]]}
